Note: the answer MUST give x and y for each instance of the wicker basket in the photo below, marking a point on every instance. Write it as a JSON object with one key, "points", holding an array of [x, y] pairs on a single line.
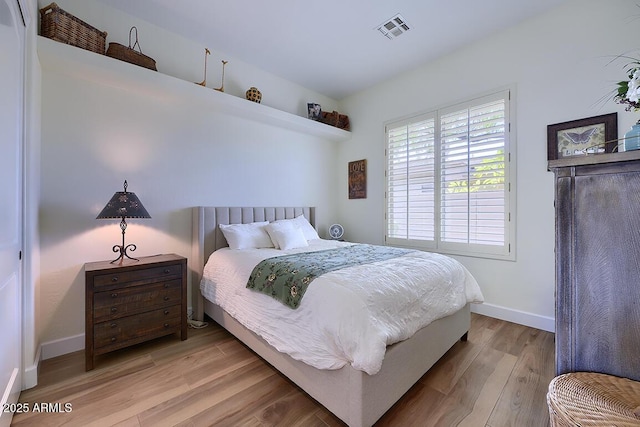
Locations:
{"points": [[61, 26], [591, 399], [130, 54]]}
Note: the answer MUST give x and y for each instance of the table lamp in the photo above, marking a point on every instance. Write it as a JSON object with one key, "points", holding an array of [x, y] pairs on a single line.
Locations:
{"points": [[123, 204]]}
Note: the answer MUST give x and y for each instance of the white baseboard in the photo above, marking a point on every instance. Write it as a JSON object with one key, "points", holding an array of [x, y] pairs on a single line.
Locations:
{"points": [[62, 346], [9, 396], [66, 345], [516, 316], [30, 374]]}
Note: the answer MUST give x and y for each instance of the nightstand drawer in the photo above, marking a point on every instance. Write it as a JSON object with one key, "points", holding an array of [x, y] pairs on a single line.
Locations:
{"points": [[138, 276], [128, 301], [128, 330]]}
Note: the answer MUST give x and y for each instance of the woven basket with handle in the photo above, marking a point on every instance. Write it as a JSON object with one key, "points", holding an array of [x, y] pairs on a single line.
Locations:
{"points": [[130, 54]]}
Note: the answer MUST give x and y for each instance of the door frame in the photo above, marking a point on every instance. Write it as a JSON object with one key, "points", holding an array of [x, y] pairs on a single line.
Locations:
{"points": [[12, 388]]}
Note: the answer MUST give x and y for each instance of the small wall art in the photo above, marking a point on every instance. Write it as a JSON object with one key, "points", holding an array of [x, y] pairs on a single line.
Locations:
{"points": [[314, 111], [358, 179], [592, 135]]}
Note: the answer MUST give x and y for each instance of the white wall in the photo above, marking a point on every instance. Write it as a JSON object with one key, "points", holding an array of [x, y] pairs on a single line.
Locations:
{"points": [[174, 157], [95, 136], [559, 66]]}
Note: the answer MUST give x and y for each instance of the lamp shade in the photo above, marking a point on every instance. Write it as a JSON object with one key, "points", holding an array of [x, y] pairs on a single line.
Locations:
{"points": [[124, 204]]}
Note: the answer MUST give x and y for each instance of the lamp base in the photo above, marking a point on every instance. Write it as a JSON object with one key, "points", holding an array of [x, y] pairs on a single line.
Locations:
{"points": [[123, 252]]}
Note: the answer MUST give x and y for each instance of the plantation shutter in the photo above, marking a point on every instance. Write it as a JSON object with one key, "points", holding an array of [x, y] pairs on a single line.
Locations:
{"points": [[410, 179], [448, 179], [473, 188]]}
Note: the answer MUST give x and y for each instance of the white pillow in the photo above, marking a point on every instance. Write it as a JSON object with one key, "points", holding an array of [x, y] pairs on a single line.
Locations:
{"points": [[247, 236], [272, 227], [309, 232], [285, 235], [300, 222]]}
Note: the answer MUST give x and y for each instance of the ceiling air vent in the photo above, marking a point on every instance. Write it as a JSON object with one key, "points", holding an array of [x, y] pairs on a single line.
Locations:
{"points": [[394, 27]]}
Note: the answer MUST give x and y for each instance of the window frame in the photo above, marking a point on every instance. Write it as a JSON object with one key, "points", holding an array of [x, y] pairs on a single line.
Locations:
{"points": [[500, 252]]}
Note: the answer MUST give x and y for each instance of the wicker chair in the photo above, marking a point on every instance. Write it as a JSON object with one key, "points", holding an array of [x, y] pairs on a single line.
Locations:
{"points": [[591, 399]]}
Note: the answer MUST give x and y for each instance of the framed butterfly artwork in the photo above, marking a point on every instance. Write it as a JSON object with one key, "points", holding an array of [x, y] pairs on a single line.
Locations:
{"points": [[593, 135]]}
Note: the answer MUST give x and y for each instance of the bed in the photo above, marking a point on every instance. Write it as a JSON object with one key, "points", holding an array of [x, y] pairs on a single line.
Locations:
{"points": [[357, 398]]}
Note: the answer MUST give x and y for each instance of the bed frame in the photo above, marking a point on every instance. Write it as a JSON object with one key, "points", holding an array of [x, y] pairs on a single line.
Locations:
{"points": [[353, 396]]}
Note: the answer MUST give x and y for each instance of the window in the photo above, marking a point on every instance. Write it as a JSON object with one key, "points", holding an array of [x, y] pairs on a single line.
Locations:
{"points": [[449, 179]]}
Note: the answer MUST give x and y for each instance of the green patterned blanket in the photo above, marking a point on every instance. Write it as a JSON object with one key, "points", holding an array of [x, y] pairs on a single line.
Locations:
{"points": [[287, 277]]}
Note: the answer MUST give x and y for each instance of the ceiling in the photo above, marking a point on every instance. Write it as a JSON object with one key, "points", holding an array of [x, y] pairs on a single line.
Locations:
{"points": [[333, 46]]}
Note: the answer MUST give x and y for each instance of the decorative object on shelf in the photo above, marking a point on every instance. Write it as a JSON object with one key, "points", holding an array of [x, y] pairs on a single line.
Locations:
{"points": [[221, 88], [123, 205], [204, 82], [358, 179], [593, 135], [253, 94], [336, 231], [629, 90], [632, 138], [63, 27], [336, 119], [130, 54], [314, 111], [628, 94]]}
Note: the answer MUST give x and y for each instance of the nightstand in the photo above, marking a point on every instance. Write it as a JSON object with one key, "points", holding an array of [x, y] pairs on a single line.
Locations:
{"points": [[133, 302]]}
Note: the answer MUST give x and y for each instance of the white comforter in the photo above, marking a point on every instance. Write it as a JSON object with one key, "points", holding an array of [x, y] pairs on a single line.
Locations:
{"points": [[346, 316]]}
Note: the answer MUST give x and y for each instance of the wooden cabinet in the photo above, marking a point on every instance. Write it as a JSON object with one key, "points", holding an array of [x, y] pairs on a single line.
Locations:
{"points": [[597, 203], [136, 301]]}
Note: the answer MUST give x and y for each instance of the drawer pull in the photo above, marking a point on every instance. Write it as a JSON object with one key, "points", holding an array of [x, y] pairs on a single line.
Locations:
{"points": [[167, 270], [114, 279], [114, 295], [166, 325], [166, 312], [166, 285], [113, 325], [166, 298], [113, 339], [114, 309]]}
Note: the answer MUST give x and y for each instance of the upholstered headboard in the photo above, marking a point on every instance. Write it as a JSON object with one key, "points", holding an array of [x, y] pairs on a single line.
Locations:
{"points": [[207, 237]]}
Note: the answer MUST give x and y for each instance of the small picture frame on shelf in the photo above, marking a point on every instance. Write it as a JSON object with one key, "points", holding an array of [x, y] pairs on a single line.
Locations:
{"points": [[593, 135], [314, 111]]}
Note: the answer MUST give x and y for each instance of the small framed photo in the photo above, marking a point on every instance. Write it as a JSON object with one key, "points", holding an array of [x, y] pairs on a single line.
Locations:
{"points": [[314, 111], [593, 135]]}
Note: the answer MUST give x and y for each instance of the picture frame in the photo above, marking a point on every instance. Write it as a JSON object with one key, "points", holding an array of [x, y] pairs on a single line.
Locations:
{"points": [[592, 135], [314, 111], [358, 179]]}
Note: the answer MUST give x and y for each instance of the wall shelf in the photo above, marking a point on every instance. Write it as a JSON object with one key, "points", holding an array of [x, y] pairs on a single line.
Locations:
{"points": [[594, 159], [102, 69]]}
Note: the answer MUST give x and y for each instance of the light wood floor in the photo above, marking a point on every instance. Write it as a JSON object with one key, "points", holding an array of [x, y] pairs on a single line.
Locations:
{"points": [[497, 378]]}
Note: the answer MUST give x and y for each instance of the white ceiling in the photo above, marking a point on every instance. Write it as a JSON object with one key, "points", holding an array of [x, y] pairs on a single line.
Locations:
{"points": [[332, 46]]}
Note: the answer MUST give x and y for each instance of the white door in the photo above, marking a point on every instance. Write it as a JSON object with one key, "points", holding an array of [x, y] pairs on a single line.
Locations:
{"points": [[12, 48]]}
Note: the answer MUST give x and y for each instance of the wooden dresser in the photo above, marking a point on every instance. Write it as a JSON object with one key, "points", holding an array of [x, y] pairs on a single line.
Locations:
{"points": [[132, 302], [597, 204]]}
